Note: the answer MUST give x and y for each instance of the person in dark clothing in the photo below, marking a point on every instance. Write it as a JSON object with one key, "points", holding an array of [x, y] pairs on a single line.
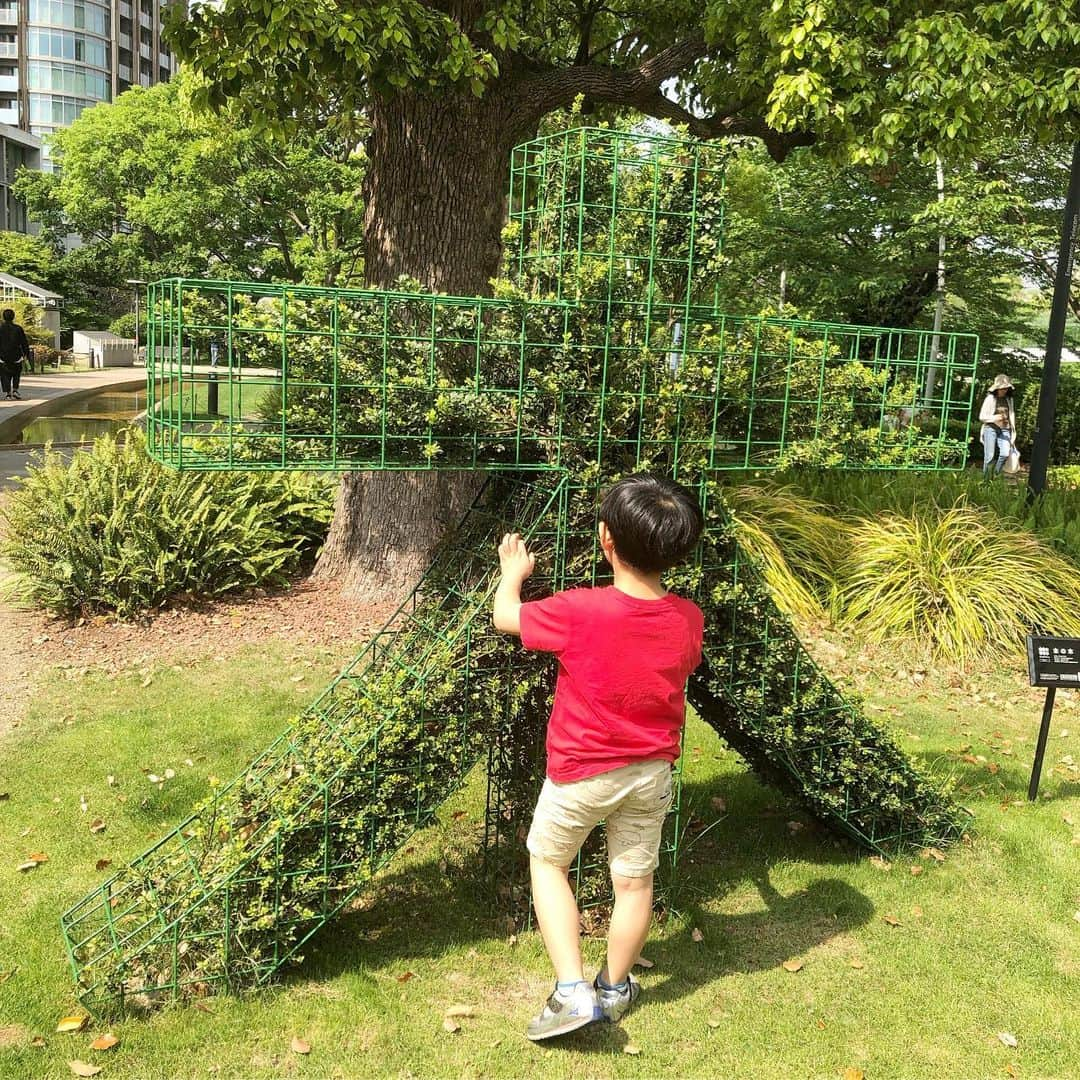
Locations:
{"points": [[14, 348]]}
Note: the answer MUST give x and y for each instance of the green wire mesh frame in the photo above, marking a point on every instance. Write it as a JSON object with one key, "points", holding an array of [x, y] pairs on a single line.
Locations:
{"points": [[305, 806], [259, 376]]}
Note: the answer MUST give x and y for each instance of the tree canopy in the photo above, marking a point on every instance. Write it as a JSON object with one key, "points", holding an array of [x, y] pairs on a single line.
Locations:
{"points": [[862, 78], [154, 187]]}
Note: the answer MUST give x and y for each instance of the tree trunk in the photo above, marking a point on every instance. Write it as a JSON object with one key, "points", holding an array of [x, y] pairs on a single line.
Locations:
{"points": [[435, 192]]}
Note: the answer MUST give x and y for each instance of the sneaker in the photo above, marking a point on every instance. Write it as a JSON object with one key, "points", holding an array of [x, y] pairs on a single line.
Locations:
{"points": [[16, 395], [560, 1016], [615, 1003]]}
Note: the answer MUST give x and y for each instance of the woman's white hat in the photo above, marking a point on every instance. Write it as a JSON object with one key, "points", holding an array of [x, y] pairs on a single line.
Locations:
{"points": [[1001, 382]]}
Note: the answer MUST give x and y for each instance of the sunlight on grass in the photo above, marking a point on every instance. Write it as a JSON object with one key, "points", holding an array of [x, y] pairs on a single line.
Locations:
{"points": [[986, 941]]}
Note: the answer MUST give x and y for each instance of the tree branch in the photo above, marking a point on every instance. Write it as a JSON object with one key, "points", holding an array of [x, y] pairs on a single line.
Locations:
{"points": [[540, 91]]}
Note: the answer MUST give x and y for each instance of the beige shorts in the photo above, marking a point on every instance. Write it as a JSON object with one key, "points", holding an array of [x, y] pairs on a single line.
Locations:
{"points": [[634, 800]]}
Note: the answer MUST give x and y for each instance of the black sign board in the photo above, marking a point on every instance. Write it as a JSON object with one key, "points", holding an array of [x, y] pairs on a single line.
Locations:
{"points": [[1054, 661]]}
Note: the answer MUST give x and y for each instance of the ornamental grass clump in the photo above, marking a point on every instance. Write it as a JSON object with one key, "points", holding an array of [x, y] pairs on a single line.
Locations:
{"points": [[114, 532], [959, 582], [798, 544]]}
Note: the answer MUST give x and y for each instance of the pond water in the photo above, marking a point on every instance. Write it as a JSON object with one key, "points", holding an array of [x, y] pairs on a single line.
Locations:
{"points": [[84, 420]]}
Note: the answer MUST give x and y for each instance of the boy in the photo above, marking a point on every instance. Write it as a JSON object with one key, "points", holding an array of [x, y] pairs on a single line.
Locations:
{"points": [[625, 653]]}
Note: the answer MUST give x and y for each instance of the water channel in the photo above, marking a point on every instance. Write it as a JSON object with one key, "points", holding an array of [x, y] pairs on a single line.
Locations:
{"points": [[83, 421]]}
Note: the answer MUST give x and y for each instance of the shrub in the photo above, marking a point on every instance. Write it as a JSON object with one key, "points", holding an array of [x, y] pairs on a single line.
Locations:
{"points": [[115, 532], [795, 542], [1054, 516], [959, 581], [895, 560]]}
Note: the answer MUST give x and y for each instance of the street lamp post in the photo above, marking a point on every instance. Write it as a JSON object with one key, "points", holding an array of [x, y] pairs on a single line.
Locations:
{"points": [[136, 284], [1044, 424]]}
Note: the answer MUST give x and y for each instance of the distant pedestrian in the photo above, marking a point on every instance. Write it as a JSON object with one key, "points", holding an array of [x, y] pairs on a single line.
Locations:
{"points": [[998, 416], [14, 348]]}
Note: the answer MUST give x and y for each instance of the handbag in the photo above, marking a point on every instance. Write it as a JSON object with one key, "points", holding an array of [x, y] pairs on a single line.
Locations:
{"points": [[1012, 463]]}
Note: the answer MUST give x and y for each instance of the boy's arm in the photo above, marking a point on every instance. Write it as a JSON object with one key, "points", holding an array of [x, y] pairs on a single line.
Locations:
{"points": [[517, 563]]}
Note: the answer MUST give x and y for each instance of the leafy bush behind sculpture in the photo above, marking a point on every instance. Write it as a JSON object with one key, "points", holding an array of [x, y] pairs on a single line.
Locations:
{"points": [[113, 531]]}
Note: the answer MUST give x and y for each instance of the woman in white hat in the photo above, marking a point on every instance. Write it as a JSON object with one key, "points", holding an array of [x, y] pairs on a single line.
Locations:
{"points": [[998, 416]]}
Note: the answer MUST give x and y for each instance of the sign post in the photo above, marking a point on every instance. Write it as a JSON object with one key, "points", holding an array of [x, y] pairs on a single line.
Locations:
{"points": [[1052, 662]]}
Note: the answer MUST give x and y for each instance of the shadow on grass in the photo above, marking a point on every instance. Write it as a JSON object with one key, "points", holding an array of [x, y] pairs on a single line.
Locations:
{"points": [[429, 909], [976, 781]]}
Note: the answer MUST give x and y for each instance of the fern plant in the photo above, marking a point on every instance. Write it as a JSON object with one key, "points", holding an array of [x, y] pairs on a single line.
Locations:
{"points": [[114, 532]]}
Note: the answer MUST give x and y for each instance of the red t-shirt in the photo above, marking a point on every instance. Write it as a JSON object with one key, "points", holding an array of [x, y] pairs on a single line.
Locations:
{"points": [[623, 666]]}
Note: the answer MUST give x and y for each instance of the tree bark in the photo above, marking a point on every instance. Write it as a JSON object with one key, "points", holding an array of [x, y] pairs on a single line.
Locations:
{"points": [[435, 192]]}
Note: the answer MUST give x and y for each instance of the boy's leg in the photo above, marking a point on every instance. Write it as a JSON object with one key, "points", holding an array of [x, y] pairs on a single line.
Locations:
{"points": [[634, 829], [630, 921], [557, 914], [565, 815]]}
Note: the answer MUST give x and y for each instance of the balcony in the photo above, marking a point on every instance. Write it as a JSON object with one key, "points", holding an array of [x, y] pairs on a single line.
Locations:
{"points": [[9, 17], [146, 51], [9, 84], [124, 40], [10, 116], [9, 50]]}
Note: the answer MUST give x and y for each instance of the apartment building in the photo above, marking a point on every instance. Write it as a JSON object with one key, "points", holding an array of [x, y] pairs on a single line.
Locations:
{"points": [[58, 57]]}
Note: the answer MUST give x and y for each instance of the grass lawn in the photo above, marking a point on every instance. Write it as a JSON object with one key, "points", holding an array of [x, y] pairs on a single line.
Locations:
{"points": [[987, 941]]}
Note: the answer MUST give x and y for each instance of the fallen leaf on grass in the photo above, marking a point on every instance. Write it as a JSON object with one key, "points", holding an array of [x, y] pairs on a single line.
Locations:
{"points": [[299, 1046], [80, 1068], [1076, 915], [105, 1042], [37, 1042], [97, 825], [460, 1010], [853, 1074], [878, 863], [1007, 1038], [713, 1021], [641, 962], [917, 911], [72, 1023], [5, 975], [102, 864], [1011, 1070], [405, 976], [697, 935], [795, 826], [916, 870], [892, 920], [631, 1049], [147, 681], [4, 796], [718, 804], [858, 965], [202, 1007], [792, 966], [450, 1026]]}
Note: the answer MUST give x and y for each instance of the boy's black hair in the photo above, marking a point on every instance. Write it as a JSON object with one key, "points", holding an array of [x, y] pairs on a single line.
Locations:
{"points": [[9, 315], [654, 522]]}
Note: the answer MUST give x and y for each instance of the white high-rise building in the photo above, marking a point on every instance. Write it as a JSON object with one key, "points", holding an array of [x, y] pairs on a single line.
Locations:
{"points": [[58, 57]]}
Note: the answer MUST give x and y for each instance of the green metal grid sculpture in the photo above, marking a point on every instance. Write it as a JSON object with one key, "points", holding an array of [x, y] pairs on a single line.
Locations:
{"points": [[604, 354]]}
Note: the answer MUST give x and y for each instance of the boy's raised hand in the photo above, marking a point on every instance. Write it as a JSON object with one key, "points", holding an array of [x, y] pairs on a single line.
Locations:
{"points": [[515, 559]]}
